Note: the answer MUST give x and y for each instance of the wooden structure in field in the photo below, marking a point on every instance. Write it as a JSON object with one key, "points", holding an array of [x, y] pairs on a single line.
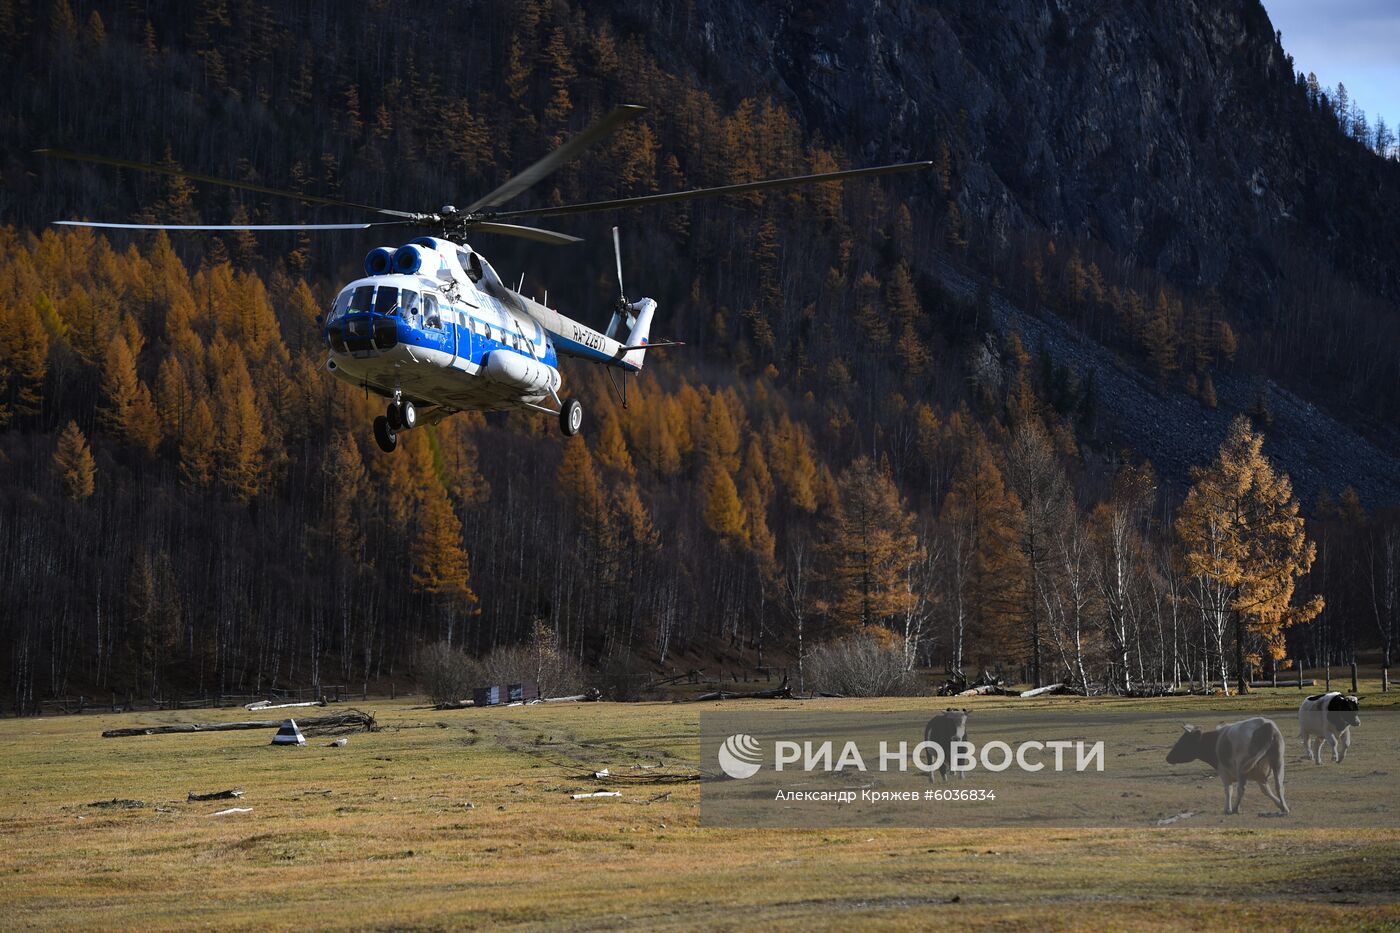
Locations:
{"points": [[501, 694]]}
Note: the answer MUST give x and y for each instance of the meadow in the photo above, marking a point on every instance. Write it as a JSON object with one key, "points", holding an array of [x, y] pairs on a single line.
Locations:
{"points": [[465, 818]]}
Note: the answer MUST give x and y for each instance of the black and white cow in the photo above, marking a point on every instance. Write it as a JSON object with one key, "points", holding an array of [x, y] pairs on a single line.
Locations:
{"points": [[943, 730], [1328, 717], [1248, 750]]}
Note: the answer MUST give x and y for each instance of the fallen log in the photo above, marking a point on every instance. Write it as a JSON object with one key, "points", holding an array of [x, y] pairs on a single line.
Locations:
{"points": [[192, 727], [1255, 684], [591, 695], [216, 795], [781, 692], [1050, 689], [261, 705], [645, 777], [349, 721]]}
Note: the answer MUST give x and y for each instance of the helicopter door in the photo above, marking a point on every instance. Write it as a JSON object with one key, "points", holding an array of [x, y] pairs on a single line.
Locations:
{"points": [[438, 331]]}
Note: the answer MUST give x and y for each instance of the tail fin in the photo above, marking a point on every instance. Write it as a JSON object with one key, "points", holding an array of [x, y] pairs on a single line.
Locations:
{"points": [[642, 313]]}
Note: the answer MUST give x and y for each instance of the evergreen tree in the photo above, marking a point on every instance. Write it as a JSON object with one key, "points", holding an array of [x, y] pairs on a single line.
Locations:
{"points": [[870, 544], [440, 566], [612, 447], [77, 470], [1244, 542], [24, 358], [984, 516], [239, 439], [722, 511], [196, 447]]}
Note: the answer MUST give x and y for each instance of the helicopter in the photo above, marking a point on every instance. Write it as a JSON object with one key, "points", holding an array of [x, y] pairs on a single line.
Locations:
{"points": [[432, 328]]}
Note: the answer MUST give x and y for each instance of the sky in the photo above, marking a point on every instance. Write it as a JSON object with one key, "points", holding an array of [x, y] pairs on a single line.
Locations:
{"points": [[1356, 42]]}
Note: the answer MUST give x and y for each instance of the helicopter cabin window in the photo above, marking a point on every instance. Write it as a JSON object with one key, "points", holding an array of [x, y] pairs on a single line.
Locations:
{"points": [[430, 311], [342, 304], [387, 300], [362, 299], [411, 303]]}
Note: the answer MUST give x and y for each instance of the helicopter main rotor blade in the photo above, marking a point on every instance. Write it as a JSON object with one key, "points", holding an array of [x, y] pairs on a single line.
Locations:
{"points": [[225, 182], [252, 227], [526, 233], [552, 162], [673, 196]]}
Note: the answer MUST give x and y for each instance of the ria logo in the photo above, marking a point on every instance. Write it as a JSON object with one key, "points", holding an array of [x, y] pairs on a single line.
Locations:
{"points": [[740, 756]]}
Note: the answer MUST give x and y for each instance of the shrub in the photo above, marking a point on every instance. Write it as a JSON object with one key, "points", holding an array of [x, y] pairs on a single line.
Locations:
{"points": [[540, 660], [860, 665], [446, 674]]}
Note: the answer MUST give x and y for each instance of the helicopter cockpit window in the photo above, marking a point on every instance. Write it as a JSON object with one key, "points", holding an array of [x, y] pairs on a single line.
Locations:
{"points": [[411, 303], [363, 296], [387, 300], [342, 304], [430, 311]]}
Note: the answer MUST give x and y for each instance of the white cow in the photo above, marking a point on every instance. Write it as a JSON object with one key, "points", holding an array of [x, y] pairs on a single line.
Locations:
{"points": [[1328, 717], [1248, 750]]}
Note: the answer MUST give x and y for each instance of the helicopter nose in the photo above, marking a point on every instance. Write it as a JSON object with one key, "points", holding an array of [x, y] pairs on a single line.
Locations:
{"points": [[361, 332]]}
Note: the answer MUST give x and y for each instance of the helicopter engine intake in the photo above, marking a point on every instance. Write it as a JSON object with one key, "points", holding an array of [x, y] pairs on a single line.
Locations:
{"points": [[413, 258], [379, 260], [521, 372]]}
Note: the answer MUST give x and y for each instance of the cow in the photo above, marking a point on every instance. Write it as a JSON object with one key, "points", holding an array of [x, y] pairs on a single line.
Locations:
{"points": [[1328, 717], [1248, 750], [943, 730]]}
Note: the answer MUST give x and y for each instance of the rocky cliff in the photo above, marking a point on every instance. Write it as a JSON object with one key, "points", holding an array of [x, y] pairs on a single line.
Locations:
{"points": [[1175, 133]]}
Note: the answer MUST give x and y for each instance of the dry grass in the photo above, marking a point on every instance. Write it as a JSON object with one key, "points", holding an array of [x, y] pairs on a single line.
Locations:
{"points": [[379, 834]]}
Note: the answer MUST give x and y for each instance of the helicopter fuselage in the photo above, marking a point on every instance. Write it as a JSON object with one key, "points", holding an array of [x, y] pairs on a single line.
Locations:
{"points": [[459, 351], [431, 326]]}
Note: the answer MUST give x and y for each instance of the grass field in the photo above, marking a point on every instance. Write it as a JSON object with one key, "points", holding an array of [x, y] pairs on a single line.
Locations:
{"points": [[464, 818]]}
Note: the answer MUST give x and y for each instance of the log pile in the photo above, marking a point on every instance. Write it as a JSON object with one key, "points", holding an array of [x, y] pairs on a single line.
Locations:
{"points": [[984, 685], [958, 685]]}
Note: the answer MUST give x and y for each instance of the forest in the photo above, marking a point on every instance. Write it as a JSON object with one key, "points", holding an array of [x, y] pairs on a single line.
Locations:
{"points": [[846, 452]]}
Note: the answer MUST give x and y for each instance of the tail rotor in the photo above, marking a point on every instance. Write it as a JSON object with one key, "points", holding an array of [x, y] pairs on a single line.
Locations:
{"points": [[624, 316]]}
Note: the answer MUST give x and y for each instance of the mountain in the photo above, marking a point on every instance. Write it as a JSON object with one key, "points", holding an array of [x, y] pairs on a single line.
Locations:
{"points": [[1178, 135], [1177, 138]]}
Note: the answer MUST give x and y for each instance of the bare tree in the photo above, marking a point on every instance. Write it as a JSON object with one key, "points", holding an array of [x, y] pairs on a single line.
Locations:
{"points": [[795, 601], [958, 570], [919, 583], [1035, 475], [1383, 566], [1069, 603]]}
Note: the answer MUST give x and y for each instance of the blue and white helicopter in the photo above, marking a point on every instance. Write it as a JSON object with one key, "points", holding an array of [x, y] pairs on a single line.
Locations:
{"points": [[432, 328]]}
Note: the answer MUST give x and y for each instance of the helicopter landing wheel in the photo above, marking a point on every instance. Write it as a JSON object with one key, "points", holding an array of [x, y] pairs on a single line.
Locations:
{"points": [[384, 435], [571, 417], [401, 415]]}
